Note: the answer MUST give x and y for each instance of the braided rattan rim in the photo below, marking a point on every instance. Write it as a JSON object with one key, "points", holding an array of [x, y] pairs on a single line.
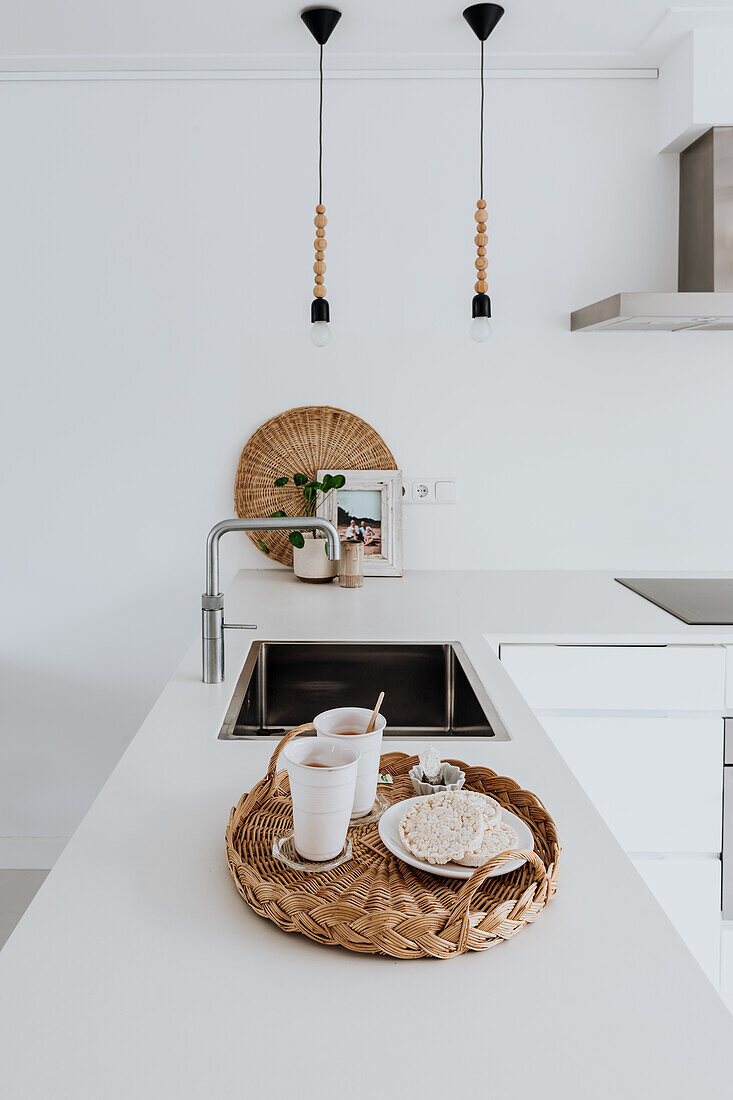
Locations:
{"points": [[303, 440], [375, 903]]}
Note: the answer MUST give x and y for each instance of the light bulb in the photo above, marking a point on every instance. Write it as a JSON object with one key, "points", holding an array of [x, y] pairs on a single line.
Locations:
{"points": [[320, 334], [480, 329]]}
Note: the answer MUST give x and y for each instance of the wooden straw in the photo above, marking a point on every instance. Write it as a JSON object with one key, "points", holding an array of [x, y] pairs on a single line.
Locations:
{"points": [[375, 712]]}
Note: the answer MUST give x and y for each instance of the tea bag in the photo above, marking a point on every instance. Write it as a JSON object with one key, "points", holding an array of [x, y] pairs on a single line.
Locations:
{"points": [[431, 765]]}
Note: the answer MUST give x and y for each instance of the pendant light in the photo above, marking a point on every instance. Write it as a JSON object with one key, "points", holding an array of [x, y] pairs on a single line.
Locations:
{"points": [[320, 22], [481, 18]]}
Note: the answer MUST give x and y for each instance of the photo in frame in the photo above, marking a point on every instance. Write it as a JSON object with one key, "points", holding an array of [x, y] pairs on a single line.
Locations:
{"points": [[369, 509]]}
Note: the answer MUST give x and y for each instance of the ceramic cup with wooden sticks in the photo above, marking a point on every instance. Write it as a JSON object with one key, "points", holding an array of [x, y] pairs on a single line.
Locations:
{"points": [[363, 729]]}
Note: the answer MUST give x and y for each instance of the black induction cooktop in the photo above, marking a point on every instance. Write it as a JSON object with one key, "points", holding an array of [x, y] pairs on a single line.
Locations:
{"points": [[698, 601]]}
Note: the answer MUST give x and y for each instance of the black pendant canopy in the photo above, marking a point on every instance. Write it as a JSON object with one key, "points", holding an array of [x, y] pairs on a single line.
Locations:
{"points": [[321, 21], [482, 18]]}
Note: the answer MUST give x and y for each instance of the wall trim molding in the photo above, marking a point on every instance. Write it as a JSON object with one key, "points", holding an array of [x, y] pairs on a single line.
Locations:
{"points": [[30, 852], [142, 74]]}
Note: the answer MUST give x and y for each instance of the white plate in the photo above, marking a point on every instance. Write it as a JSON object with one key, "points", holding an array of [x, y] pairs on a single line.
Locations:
{"points": [[389, 831]]}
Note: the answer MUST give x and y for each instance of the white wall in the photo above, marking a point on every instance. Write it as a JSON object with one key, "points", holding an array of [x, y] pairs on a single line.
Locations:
{"points": [[155, 289]]}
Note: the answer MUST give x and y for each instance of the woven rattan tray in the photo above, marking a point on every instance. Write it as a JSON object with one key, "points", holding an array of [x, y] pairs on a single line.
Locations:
{"points": [[375, 903], [304, 440]]}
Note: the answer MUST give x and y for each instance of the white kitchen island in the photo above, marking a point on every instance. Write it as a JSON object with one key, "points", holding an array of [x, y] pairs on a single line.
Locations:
{"points": [[138, 972]]}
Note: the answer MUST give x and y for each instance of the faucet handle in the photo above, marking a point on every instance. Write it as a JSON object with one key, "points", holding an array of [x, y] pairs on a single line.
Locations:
{"points": [[212, 603]]}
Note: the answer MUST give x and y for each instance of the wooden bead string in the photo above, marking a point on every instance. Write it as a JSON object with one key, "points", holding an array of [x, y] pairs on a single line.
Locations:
{"points": [[320, 221], [481, 216]]}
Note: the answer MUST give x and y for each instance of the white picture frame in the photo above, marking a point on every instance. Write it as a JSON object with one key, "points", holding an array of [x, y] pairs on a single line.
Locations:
{"points": [[386, 561]]}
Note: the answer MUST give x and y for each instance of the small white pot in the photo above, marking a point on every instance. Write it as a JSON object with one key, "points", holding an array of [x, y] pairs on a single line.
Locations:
{"points": [[311, 563]]}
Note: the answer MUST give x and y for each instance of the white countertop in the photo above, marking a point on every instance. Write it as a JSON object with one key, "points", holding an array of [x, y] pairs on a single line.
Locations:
{"points": [[139, 972]]}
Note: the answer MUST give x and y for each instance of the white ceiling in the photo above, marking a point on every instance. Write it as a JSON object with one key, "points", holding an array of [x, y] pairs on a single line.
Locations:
{"points": [[393, 34]]}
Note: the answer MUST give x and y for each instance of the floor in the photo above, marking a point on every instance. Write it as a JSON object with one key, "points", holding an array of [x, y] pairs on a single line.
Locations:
{"points": [[17, 890]]}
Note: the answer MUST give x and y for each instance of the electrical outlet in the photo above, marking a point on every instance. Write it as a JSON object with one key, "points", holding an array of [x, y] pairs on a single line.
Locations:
{"points": [[429, 490]]}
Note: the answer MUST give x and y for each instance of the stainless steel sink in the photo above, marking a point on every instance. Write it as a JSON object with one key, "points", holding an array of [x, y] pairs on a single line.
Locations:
{"points": [[431, 689]]}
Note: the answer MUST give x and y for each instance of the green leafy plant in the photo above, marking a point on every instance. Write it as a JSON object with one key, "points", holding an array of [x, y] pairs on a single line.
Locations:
{"points": [[314, 493]]}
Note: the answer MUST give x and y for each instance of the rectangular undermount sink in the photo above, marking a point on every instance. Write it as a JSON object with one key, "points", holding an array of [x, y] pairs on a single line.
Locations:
{"points": [[430, 689]]}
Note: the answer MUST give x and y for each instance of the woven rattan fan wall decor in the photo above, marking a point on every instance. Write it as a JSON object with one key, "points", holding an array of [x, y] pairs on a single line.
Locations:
{"points": [[304, 440]]}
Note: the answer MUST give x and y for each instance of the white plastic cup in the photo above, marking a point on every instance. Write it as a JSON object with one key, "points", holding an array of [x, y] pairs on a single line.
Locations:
{"points": [[323, 798], [331, 726]]}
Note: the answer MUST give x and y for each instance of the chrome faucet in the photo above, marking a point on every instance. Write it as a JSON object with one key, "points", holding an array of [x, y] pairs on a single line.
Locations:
{"points": [[212, 601]]}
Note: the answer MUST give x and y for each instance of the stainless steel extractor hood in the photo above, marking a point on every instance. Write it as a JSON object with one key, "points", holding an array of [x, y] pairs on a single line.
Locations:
{"points": [[704, 298]]}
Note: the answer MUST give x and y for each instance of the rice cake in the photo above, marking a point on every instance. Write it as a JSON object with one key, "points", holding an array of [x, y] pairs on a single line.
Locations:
{"points": [[442, 827], [496, 839], [490, 808]]}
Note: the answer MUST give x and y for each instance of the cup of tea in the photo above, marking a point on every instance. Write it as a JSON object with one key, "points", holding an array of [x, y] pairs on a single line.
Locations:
{"points": [[322, 784], [346, 726]]}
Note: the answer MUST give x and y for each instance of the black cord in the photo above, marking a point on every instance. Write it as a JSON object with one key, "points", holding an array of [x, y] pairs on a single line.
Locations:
{"points": [[320, 131], [481, 139]]}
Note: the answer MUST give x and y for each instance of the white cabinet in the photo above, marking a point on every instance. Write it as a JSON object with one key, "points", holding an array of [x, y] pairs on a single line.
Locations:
{"points": [[593, 678], [689, 892], [726, 964], [642, 729], [657, 782]]}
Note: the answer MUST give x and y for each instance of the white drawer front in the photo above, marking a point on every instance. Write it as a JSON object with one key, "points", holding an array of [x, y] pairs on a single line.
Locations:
{"points": [[657, 782], [726, 964], [557, 677], [689, 892]]}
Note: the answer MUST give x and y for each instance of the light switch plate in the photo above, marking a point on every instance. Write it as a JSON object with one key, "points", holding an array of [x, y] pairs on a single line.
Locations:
{"points": [[445, 491]]}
